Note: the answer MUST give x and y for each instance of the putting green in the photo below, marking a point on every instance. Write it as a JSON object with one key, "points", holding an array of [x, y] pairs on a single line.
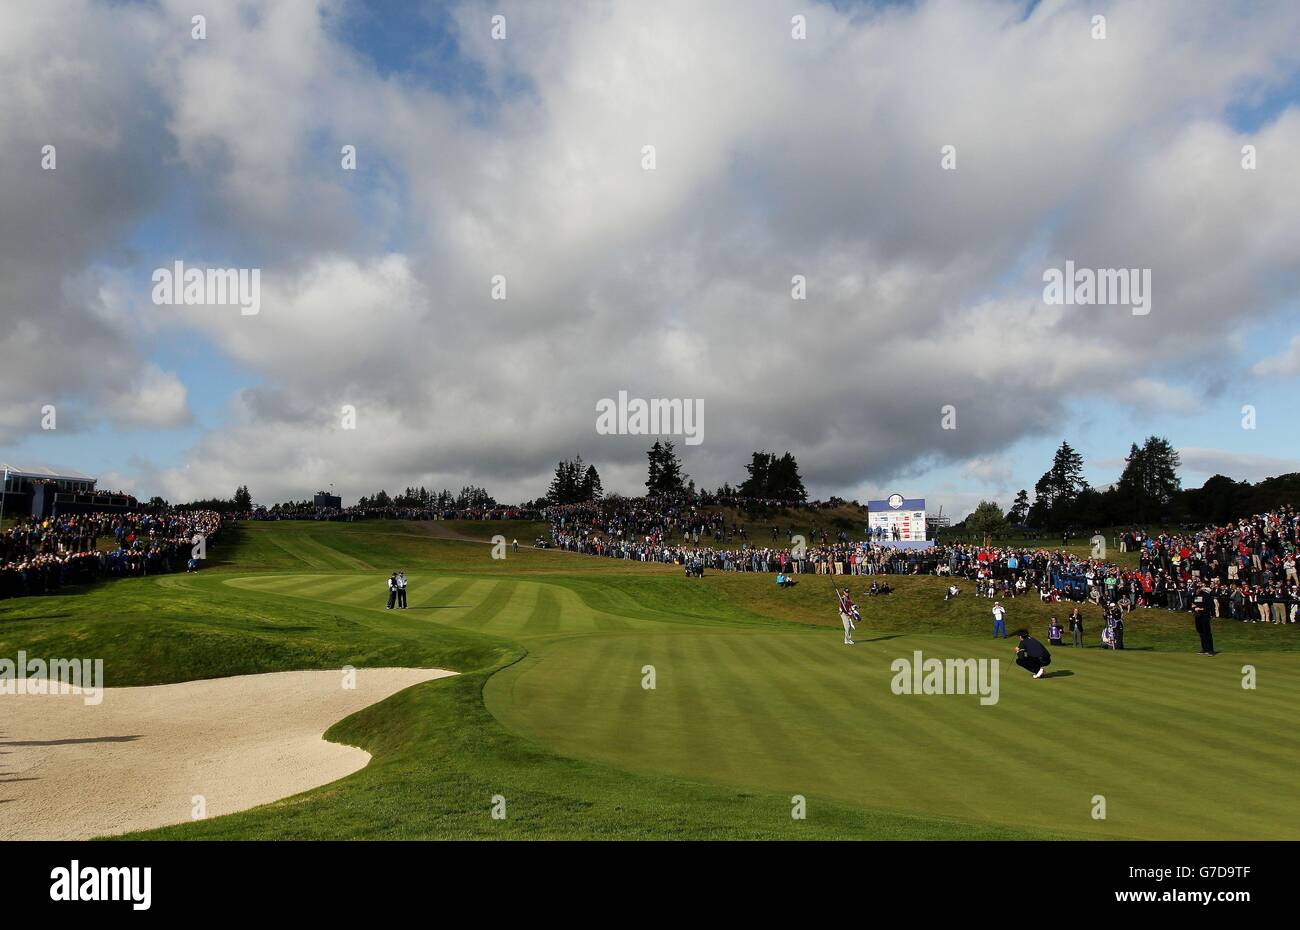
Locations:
{"points": [[1172, 741]]}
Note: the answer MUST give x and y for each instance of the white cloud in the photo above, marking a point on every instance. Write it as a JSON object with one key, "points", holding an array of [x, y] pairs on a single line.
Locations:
{"points": [[775, 158], [156, 398], [1243, 466], [1286, 364]]}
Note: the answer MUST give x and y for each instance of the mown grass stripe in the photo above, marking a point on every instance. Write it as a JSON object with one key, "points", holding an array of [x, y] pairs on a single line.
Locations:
{"points": [[492, 598], [545, 614], [843, 705], [769, 730], [694, 729], [296, 552], [335, 557], [510, 616], [426, 592], [453, 594]]}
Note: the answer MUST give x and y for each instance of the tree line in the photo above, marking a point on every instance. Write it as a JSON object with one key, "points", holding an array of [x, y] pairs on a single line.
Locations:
{"points": [[470, 496], [1149, 492], [770, 477]]}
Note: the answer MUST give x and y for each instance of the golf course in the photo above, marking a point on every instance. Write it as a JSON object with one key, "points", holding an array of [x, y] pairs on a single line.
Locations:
{"points": [[598, 698]]}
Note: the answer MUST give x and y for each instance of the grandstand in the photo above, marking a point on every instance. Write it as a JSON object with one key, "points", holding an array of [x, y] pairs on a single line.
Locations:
{"points": [[40, 491]]}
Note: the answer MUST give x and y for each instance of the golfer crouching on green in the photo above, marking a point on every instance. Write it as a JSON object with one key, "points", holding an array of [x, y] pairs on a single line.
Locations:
{"points": [[1031, 655]]}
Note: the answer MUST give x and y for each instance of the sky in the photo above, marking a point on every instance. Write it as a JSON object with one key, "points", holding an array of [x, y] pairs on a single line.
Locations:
{"points": [[521, 157]]}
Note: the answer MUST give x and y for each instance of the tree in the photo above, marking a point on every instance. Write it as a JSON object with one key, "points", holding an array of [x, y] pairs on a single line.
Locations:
{"points": [[565, 486], [672, 480], [785, 482], [655, 455], [665, 476], [1161, 477], [574, 484], [1218, 501], [243, 500], [1149, 483], [756, 484], [472, 496], [1066, 474], [772, 478], [986, 520], [591, 487], [1020, 509], [1057, 491]]}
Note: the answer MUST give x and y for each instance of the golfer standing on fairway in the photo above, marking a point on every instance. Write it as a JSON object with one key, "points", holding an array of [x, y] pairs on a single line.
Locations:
{"points": [[1202, 604], [846, 615], [999, 619]]}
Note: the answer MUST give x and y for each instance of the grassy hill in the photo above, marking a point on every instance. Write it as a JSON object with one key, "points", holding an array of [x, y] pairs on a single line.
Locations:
{"points": [[755, 698]]}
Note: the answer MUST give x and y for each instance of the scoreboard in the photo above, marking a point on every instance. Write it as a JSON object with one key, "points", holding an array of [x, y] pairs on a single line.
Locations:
{"points": [[907, 514]]}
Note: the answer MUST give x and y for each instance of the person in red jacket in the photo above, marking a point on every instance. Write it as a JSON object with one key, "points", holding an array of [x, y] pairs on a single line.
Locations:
{"points": [[847, 611]]}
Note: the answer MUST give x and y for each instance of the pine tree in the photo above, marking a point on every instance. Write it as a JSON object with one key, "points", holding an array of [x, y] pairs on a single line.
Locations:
{"points": [[653, 477], [1058, 490], [785, 481], [759, 467], [1067, 473], [1020, 509], [772, 478], [591, 487], [1160, 472], [562, 489], [671, 478], [574, 483], [1149, 483]]}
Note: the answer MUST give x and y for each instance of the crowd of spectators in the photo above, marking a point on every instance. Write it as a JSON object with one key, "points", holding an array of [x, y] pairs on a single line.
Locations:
{"points": [[40, 556], [1248, 566], [349, 514]]}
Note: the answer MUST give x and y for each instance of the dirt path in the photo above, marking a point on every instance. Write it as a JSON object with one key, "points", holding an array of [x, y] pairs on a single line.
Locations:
{"points": [[137, 760]]}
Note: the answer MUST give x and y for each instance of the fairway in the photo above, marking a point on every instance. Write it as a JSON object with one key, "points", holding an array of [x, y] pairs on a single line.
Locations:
{"points": [[755, 699]]}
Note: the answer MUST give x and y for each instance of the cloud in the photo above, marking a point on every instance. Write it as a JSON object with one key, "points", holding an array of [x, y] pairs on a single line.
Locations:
{"points": [[1286, 364], [775, 158], [992, 471], [72, 82], [1242, 466], [156, 398]]}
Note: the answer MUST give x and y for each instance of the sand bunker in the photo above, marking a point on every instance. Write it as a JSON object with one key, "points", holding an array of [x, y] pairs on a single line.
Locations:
{"points": [[136, 760]]}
